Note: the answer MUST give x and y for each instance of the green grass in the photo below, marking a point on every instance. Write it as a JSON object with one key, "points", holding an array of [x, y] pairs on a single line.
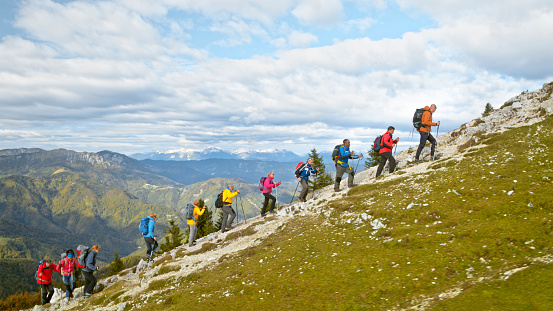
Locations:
{"points": [[527, 290], [167, 269], [444, 229]]}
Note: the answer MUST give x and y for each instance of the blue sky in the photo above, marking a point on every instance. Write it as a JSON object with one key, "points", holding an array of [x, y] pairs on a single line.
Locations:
{"points": [[135, 76]]}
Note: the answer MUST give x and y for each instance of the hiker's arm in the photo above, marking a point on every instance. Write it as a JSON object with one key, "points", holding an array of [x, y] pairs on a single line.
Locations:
{"points": [[200, 212], [89, 259]]}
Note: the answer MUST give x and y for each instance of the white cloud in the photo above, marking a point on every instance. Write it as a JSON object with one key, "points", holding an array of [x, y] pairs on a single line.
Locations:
{"points": [[301, 39], [103, 29], [361, 24], [319, 12], [238, 32], [111, 75], [509, 37]]}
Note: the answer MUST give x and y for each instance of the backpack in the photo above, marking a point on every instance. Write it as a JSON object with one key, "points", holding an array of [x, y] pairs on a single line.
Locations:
{"points": [[219, 200], [189, 211], [417, 118], [82, 252], [299, 168], [377, 143], [336, 153], [38, 267], [261, 185], [143, 227]]}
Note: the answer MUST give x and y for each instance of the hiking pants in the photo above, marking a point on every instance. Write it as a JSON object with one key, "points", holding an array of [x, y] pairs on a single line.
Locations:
{"points": [[386, 156], [268, 197], [47, 291], [149, 245], [69, 281], [340, 170], [192, 235], [227, 209], [424, 137], [304, 189], [89, 282]]}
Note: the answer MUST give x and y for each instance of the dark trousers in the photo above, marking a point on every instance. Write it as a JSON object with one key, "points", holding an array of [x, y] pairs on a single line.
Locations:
{"points": [[386, 156], [89, 282], [151, 245], [340, 171], [424, 137], [227, 210], [47, 291], [268, 197], [304, 189]]}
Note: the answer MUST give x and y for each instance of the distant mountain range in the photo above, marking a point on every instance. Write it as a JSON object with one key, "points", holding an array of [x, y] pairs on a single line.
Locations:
{"points": [[278, 155], [190, 172]]}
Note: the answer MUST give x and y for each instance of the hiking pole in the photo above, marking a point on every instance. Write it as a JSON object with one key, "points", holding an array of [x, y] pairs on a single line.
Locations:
{"points": [[295, 192], [276, 199], [240, 197]]}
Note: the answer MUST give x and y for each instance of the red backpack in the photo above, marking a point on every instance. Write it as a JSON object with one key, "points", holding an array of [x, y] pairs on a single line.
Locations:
{"points": [[299, 168]]}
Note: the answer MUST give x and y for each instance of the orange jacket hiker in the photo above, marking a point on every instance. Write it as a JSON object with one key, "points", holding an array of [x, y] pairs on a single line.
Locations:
{"points": [[427, 120]]}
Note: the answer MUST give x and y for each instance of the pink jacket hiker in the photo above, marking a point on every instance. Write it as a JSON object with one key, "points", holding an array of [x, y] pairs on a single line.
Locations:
{"points": [[67, 266], [268, 184]]}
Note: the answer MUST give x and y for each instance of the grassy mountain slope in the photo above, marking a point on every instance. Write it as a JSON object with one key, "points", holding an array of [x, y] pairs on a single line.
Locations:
{"points": [[441, 235]]}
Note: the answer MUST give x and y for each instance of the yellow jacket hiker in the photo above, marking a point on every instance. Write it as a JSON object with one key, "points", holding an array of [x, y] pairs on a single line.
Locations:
{"points": [[192, 223], [228, 194], [197, 212]]}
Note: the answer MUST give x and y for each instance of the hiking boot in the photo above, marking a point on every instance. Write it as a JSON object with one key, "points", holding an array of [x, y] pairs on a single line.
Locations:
{"points": [[229, 227], [336, 190], [263, 215], [417, 161], [354, 185], [272, 211]]}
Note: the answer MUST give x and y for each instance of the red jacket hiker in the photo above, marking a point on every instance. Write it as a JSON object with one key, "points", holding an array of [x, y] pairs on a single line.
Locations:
{"points": [[44, 274], [387, 143]]}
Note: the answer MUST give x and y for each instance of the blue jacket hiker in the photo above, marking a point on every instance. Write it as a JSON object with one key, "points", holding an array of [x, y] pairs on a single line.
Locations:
{"points": [[150, 239], [304, 178], [342, 165], [88, 271]]}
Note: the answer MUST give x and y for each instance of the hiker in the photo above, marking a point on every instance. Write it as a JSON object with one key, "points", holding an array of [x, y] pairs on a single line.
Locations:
{"points": [[150, 239], [424, 131], [267, 188], [387, 144], [44, 279], [228, 194], [193, 223], [304, 178], [342, 165], [88, 271], [67, 266]]}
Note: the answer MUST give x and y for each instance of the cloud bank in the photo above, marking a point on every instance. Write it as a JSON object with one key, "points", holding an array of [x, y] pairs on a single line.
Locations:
{"points": [[137, 76]]}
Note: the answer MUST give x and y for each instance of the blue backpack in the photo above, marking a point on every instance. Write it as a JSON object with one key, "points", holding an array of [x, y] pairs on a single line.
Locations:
{"points": [[189, 211], [143, 228], [36, 274], [377, 145]]}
